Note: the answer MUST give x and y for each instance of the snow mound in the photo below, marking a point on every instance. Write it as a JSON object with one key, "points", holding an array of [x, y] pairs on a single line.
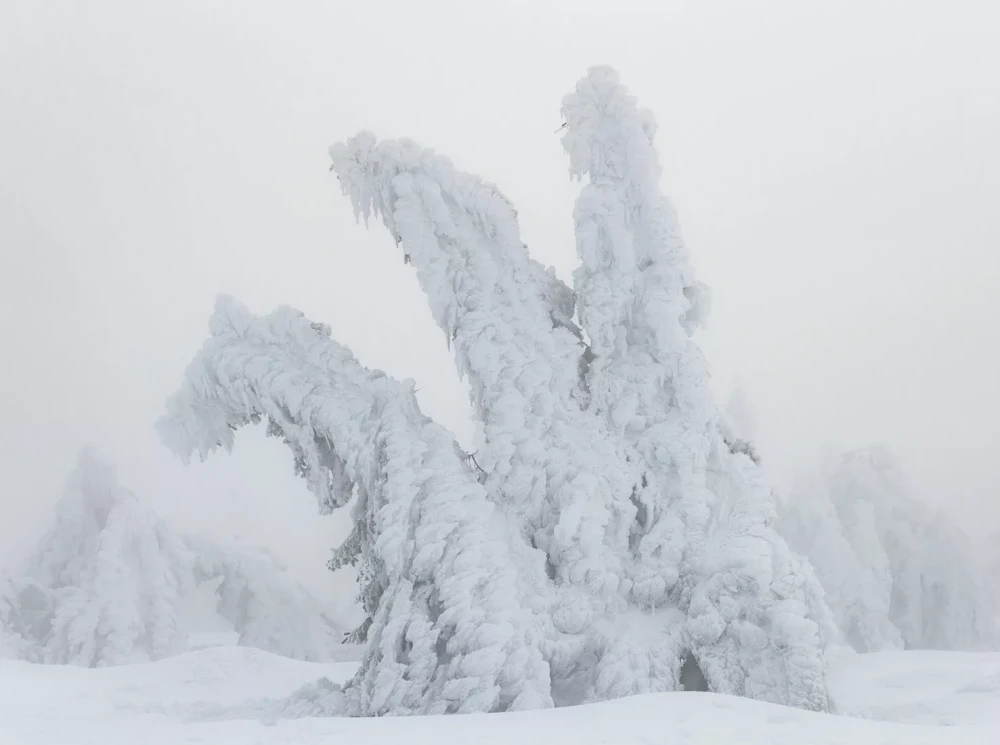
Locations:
{"points": [[917, 698]]}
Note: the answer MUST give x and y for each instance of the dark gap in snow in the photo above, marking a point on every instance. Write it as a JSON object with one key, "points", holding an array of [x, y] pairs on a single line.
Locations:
{"points": [[692, 678], [441, 647], [641, 516]]}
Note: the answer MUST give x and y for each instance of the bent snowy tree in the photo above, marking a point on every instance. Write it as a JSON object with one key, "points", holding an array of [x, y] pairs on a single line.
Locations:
{"points": [[607, 540]]}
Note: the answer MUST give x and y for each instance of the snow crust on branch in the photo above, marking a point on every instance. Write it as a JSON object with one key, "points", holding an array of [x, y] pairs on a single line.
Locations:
{"points": [[451, 632]]}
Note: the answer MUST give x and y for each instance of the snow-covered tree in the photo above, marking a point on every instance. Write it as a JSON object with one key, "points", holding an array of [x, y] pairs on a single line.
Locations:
{"points": [[608, 539], [450, 632], [266, 606], [850, 563], [105, 586], [102, 587], [896, 574], [992, 550], [21, 604], [704, 544]]}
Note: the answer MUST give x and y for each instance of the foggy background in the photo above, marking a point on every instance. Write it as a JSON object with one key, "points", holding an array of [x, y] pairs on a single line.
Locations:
{"points": [[835, 166]]}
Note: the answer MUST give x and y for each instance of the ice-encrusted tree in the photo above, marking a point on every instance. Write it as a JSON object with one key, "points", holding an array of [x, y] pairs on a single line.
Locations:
{"points": [[607, 539], [896, 573]]}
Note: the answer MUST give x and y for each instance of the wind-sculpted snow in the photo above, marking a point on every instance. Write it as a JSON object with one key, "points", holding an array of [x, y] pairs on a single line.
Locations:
{"points": [[450, 632], [639, 534]]}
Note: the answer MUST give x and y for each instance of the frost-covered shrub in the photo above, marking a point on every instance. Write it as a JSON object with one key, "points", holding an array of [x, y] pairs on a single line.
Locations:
{"points": [[610, 536]]}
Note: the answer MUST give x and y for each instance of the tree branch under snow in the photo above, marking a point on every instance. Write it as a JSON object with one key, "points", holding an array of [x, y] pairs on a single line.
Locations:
{"points": [[509, 322], [449, 583]]}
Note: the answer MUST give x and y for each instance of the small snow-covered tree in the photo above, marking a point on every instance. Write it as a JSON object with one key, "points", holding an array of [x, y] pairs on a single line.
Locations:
{"points": [[896, 574], [18, 605], [267, 607], [103, 585], [609, 539], [851, 564]]}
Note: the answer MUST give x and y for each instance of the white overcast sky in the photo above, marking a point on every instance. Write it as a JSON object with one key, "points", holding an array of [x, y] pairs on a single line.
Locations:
{"points": [[836, 167]]}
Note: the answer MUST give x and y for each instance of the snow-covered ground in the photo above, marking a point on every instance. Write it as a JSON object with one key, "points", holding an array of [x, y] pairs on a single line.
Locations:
{"points": [[225, 695], [922, 687]]}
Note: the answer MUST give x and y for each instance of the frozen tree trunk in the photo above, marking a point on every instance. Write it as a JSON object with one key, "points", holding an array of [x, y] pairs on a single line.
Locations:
{"points": [[451, 633], [639, 540]]}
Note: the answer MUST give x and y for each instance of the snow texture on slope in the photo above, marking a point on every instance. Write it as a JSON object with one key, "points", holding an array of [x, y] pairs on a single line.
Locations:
{"points": [[225, 696]]}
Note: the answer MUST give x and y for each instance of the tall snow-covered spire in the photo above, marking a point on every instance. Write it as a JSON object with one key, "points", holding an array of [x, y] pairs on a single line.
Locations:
{"points": [[451, 632], [635, 281], [705, 545], [635, 286]]}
